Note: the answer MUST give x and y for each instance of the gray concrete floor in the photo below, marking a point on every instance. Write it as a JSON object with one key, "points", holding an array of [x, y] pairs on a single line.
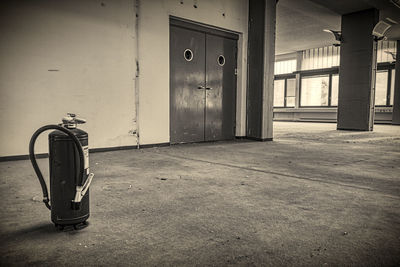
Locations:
{"points": [[314, 196]]}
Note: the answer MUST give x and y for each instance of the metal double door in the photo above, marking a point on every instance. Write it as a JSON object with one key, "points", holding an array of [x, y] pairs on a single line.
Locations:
{"points": [[202, 86]]}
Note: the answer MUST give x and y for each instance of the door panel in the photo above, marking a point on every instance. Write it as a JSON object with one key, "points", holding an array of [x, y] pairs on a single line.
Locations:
{"points": [[202, 84], [187, 82], [221, 88]]}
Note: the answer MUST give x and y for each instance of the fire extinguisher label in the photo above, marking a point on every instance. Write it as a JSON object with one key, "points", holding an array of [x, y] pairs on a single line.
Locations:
{"points": [[86, 156]]}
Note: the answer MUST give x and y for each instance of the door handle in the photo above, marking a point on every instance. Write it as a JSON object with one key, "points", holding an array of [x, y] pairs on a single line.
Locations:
{"points": [[202, 87]]}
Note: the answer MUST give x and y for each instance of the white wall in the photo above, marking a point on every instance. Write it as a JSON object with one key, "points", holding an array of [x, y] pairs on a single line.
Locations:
{"points": [[80, 56], [92, 48], [154, 57]]}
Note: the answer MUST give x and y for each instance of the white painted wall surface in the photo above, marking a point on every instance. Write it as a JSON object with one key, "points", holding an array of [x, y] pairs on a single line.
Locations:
{"points": [[80, 56], [92, 48], [154, 57]]}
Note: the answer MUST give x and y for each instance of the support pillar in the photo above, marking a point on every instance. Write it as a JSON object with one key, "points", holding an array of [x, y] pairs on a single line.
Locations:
{"points": [[261, 59], [357, 71], [396, 100]]}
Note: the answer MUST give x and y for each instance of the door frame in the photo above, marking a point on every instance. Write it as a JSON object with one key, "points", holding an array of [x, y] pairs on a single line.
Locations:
{"points": [[207, 29], [201, 27]]}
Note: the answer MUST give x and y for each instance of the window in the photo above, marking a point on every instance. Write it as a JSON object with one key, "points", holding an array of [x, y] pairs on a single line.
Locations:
{"points": [[285, 92], [314, 91], [279, 93], [392, 89], [188, 54], [285, 66], [335, 90], [384, 87], [381, 88], [290, 92], [320, 58], [221, 60]]}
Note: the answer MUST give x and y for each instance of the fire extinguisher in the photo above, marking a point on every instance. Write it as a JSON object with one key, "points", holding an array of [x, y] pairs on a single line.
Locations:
{"points": [[69, 172]]}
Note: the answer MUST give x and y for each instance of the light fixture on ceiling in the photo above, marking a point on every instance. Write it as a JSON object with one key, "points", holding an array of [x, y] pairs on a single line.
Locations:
{"points": [[337, 34], [380, 29]]}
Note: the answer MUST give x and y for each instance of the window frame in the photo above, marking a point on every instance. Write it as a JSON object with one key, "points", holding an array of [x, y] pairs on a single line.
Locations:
{"points": [[284, 77], [319, 72], [388, 67]]}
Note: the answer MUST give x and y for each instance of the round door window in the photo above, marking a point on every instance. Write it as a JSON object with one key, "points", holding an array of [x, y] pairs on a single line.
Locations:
{"points": [[221, 60], [188, 54]]}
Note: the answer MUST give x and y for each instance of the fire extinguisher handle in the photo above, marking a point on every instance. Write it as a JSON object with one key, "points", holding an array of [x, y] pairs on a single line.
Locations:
{"points": [[36, 167], [80, 192]]}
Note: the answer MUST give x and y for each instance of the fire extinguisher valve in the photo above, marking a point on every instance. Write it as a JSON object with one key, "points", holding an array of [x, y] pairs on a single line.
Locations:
{"points": [[70, 121]]}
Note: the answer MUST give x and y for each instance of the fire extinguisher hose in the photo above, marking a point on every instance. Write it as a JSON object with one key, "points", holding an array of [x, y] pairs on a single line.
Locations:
{"points": [[36, 167]]}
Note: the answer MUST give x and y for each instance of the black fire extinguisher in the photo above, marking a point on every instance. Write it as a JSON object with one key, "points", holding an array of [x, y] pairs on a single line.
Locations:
{"points": [[69, 172]]}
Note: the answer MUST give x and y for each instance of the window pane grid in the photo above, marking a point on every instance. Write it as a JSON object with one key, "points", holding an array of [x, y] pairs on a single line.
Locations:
{"points": [[322, 89], [381, 88], [314, 91], [290, 92], [392, 89], [279, 93], [335, 89]]}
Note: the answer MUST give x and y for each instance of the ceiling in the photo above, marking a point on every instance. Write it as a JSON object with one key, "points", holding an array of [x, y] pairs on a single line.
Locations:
{"points": [[300, 23]]}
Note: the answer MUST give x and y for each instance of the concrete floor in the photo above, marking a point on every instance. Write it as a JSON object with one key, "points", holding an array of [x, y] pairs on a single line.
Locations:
{"points": [[314, 196]]}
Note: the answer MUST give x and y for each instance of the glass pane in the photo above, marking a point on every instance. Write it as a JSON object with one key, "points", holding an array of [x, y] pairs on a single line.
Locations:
{"points": [[290, 92], [335, 90], [279, 93], [381, 88], [392, 89], [286, 66], [290, 100], [314, 91]]}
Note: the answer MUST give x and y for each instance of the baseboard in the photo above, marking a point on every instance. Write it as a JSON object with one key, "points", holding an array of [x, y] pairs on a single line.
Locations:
{"points": [[91, 150], [107, 149], [23, 157], [259, 139], [354, 130], [155, 145], [117, 148]]}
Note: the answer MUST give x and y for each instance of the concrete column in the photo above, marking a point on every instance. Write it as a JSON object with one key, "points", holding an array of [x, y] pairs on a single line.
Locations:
{"points": [[396, 100], [261, 58], [357, 71]]}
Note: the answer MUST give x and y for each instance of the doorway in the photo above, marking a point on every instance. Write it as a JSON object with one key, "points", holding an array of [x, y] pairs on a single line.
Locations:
{"points": [[202, 83]]}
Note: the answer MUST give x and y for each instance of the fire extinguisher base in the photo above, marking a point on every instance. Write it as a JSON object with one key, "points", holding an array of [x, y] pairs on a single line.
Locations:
{"points": [[70, 222], [67, 227]]}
